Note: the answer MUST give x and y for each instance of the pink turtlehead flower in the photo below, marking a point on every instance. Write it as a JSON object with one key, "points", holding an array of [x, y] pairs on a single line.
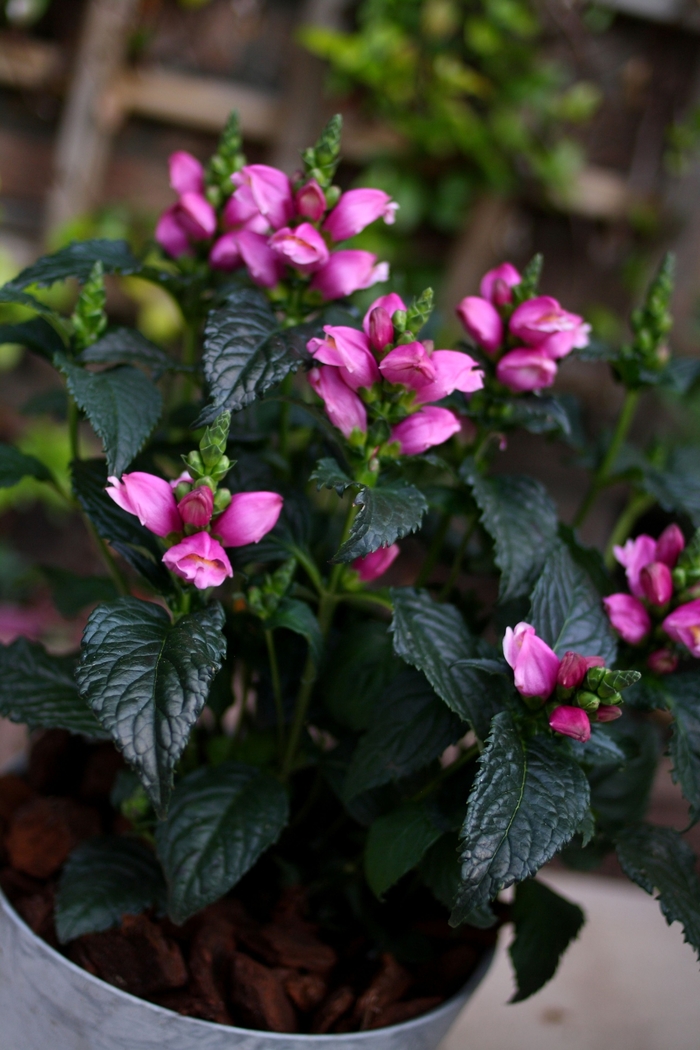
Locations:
{"points": [[266, 189], [535, 665], [391, 303], [656, 583], [381, 330], [150, 498], [302, 247], [634, 556], [347, 349], [574, 667], [185, 476], [409, 364], [186, 173], [200, 560], [356, 209], [348, 271], [196, 216], [431, 426], [374, 565], [683, 625], [662, 661], [543, 323], [497, 284], [524, 369], [482, 321], [310, 201], [248, 517], [669, 545], [239, 215], [170, 234], [343, 406], [197, 507], [571, 721], [225, 254], [453, 371], [628, 616], [245, 247]]}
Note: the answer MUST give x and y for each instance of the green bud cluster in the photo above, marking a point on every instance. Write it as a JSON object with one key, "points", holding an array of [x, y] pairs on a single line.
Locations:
{"points": [[210, 464], [687, 570], [650, 323], [408, 323], [603, 686], [321, 160], [529, 285], [263, 600], [229, 157], [89, 317]]}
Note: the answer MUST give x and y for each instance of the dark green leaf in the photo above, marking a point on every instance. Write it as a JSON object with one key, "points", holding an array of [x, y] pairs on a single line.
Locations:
{"points": [[147, 680], [682, 693], [15, 465], [386, 514], [396, 843], [540, 415], [72, 593], [590, 560], [297, 616], [128, 346], [358, 672], [600, 749], [411, 728], [545, 926], [620, 796], [39, 690], [658, 859], [37, 335], [122, 405], [567, 611], [105, 879], [677, 486], [681, 374], [329, 475], [528, 800], [77, 260], [522, 520], [12, 295], [221, 820], [440, 869]]}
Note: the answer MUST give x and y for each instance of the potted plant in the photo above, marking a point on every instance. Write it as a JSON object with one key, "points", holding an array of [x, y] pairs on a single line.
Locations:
{"points": [[274, 794]]}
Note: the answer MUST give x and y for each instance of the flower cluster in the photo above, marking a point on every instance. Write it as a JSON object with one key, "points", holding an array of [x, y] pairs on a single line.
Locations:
{"points": [[576, 690], [386, 372], [658, 574], [195, 515], [524, 339]]}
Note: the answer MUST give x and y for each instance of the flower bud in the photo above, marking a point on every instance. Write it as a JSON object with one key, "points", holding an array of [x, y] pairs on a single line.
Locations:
{"points": [[571, 721], [669, 545], [197, 506], [398, 319], [588, 701], [221, 500], [656, 583], [628, 616], [679, 578], [381, 330], [573, 669], [612, 700], [608, 714], [310, 201], [181, 490], [594, 676], [663, 661], [482, 321]]}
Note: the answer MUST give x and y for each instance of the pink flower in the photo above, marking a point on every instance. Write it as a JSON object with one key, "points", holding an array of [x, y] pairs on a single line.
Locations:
{"points": [[196, 216], [431, 426], [18, 621], [656, 583], [571, 721], [453, 371], [482, 321], [170, 234], [347, 349], [683, 625], [266, 189], [348, 271], [374, 565], [197, 506], [200, 560], [634, 556], [303, 247], [310, 201], [225, 254], [608, 713], [391, 303], [248, 517], [496, 285], [264, 266], [150, 498], [663, 661], [628, 616], [574, 667], [186, 173], [409, 364], [380, 329], [356, 209], [523, 370], [534, 664], [242, 215], [536, 320], [343, 406], [669, 545], [185, 476]]}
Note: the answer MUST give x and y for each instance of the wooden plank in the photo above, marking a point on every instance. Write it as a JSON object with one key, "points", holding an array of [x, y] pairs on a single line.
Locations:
{"points": [[28, 63]]}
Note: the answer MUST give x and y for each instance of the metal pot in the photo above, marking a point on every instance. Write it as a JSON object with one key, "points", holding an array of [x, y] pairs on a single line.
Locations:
{"points": [[48, 1003]]}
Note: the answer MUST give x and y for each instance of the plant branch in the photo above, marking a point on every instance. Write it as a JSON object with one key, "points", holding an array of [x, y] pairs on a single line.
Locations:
{"points": [[602, 475], [638, 503], [457, 563], [276, 688], [434, 549]]}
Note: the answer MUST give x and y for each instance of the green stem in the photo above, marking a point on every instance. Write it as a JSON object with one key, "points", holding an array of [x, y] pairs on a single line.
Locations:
{"points": [[602, 475], [276, 688], [434, 550], [368, 597], [637, 504], [73, 419], [189, 357], [457, 563], [285, 411], [118, 578]]}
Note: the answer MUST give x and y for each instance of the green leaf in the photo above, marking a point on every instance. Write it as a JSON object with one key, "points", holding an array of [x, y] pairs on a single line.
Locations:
{"points": [[296, 616], [147, 680], [358, 672], [124, 533], [39, 690], [328, 475], [433, 637], [77, 260], [682, 693], [440, 869], [15, 465], [658, 859], [220, 822], [540, 415], [677, 486], [386, 514], [122, 405], [620, 796], [128, 346], [37, 335], [528, 800], [589, 559], [103, 880], [14, 296], [545, 926], [411, 728], [522, 520], [599, 749], [567, 611], [396, 843], [71, 593]]}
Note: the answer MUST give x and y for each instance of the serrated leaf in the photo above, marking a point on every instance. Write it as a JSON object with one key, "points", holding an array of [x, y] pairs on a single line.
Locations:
{"points": [[386, 514], [147, 680], [682, 692], [122, 405], [71, 593], [528, 799], [590, 560], [620, 796], [128, 346], [522, 521], [296, 616], [328, 475], [396, 843], [37, 335], [220, 822], [411, 728], [433, 637], [15, 465], [567, 611], [39, 690], [540, 415], [677, 486], [77, 260], [360, 669], [103, 880], [545, 926], [658, 859], [16, 297], [599, 749]]}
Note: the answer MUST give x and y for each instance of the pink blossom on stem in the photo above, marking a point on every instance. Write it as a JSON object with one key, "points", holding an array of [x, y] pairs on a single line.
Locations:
{"points": [[669, 545], [356, 209], [628, 616], [186, 173], [347, 271], [264, 266], [662, 661], [150, 498], [302, 247], [574, 667], [381, 330], [608, 714], [310, 201], [242, 215], [482, 321], [497, 284], [635, 555], [225, 254], [248, 517], [170, 234], [343, 406], [391, 303], [537, 319], [199, 559], [522, 370], [374, 565], [571, 721], [656, 583], [196, 216], [535, 665], [197, 507], [347, 349], [683, 625], [268, 190], [453, 371], [409, 364], [185, 476], [431, 426]]}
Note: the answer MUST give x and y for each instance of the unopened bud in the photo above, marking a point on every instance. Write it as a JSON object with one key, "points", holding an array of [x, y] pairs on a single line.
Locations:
{"points": [[594, 677], [181, 490], [656, 583], [399, 320], [669, 545], [213, 443], [197, 506], [612, 700], [608, 714], [381, 330], [194, 463], [615, 681], [573, 669], [588, 701], [663, 661], [310, 201], [221, 500]]}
